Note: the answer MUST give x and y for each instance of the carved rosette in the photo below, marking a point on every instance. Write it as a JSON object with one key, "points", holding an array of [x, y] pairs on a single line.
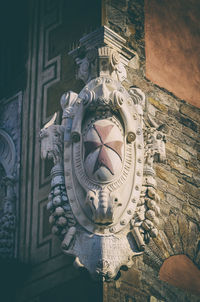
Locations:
{"points": [[103, 201]]}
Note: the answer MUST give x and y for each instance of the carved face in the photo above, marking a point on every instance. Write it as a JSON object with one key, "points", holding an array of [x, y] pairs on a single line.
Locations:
{"points": [[51, 145], [103, 149]]}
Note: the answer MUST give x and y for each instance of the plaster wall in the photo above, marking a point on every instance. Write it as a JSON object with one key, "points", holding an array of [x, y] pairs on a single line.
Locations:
{"points": [[172, 38]]}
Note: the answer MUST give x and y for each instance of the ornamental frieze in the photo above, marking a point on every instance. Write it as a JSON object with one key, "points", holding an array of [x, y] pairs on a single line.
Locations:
{"points": [[103, 203]]}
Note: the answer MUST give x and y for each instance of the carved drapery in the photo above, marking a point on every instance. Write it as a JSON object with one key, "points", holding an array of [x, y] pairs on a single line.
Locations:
{"points": [[103, 202]]}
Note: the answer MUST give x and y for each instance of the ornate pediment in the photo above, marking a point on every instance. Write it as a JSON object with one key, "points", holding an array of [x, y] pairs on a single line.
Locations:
{"points": [[103, 200]]}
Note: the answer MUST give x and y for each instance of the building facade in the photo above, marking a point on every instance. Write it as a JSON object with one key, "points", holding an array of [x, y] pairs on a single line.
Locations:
{"points": [[36, 71]]}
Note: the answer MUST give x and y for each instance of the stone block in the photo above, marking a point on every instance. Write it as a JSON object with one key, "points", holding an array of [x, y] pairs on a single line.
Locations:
{"points": [[192, 112], [182, 153], [188, 123], [190, 189], [171, 147], [116, 16], [191, 167], [120, 4], [158, 104], [194, 180], [162, 246], [190, 133], [132, 276], [180, 168], [173, 201], [167, 99], [177, 192], [195, 202], [172, 233], [161, 195], [166, 176], [183, 230], [191, 212], [154, 299], [193, 239]]}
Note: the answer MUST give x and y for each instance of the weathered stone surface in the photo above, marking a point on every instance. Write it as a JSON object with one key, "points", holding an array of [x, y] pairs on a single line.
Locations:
{"points": [[172, 232], [171, 147], [183, 228], [191, 212], [161, 245], [189, 146], [127, 18], [170, 121], [192, 112], [190, 133], [167, 176], [153, 299], [116, 17], [180, 168], [177, 185], [194, 201], [192, 167], [182, 153], [188, 123], [158, 105], [192, 240], [166, 99], [173, 201], [177, 192], [190, 189]]}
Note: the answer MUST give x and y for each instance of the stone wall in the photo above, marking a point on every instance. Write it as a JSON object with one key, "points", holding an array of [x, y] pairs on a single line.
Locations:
{"points": [[178, 188], [50, 72], [177, 180]]}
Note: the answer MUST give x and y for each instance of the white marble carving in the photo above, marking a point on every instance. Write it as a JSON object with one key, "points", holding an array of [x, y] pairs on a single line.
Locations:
{"points": [[103, 201]]}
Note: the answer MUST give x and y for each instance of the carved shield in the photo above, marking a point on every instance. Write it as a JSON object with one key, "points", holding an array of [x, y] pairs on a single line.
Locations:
{"points": [[103, 163], [103, 205]]}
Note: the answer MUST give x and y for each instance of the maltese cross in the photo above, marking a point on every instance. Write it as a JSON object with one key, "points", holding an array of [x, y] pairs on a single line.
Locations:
{"points": [[103, 159]]}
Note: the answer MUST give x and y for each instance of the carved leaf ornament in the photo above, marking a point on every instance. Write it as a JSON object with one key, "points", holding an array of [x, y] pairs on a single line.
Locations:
{"points": [[103, 201]]}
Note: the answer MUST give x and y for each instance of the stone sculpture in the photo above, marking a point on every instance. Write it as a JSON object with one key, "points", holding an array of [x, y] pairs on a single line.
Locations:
{"points": [[8, 200], [103, 200]]}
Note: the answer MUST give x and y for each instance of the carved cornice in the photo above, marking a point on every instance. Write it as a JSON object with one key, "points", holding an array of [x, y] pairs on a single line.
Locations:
{"points": [[102, 53]]}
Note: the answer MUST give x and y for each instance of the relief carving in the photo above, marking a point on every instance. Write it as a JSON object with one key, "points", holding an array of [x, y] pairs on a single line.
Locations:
{"points": [[103, 200], [8, 198]]}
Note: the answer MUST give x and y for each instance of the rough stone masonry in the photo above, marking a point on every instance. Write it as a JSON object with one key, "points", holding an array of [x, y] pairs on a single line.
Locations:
{"points": [[178, 180]]}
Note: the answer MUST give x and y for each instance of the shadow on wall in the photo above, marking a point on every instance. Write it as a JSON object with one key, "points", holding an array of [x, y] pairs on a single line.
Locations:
{"points": [[12, 276], [82, 289]]}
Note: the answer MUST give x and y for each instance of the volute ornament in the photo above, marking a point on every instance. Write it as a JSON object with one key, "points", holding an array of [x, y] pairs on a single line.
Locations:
{"points": [[103, 200]]}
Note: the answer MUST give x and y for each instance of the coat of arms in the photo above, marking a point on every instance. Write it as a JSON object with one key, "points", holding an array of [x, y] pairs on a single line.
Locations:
{"points": [[103, 200]]}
